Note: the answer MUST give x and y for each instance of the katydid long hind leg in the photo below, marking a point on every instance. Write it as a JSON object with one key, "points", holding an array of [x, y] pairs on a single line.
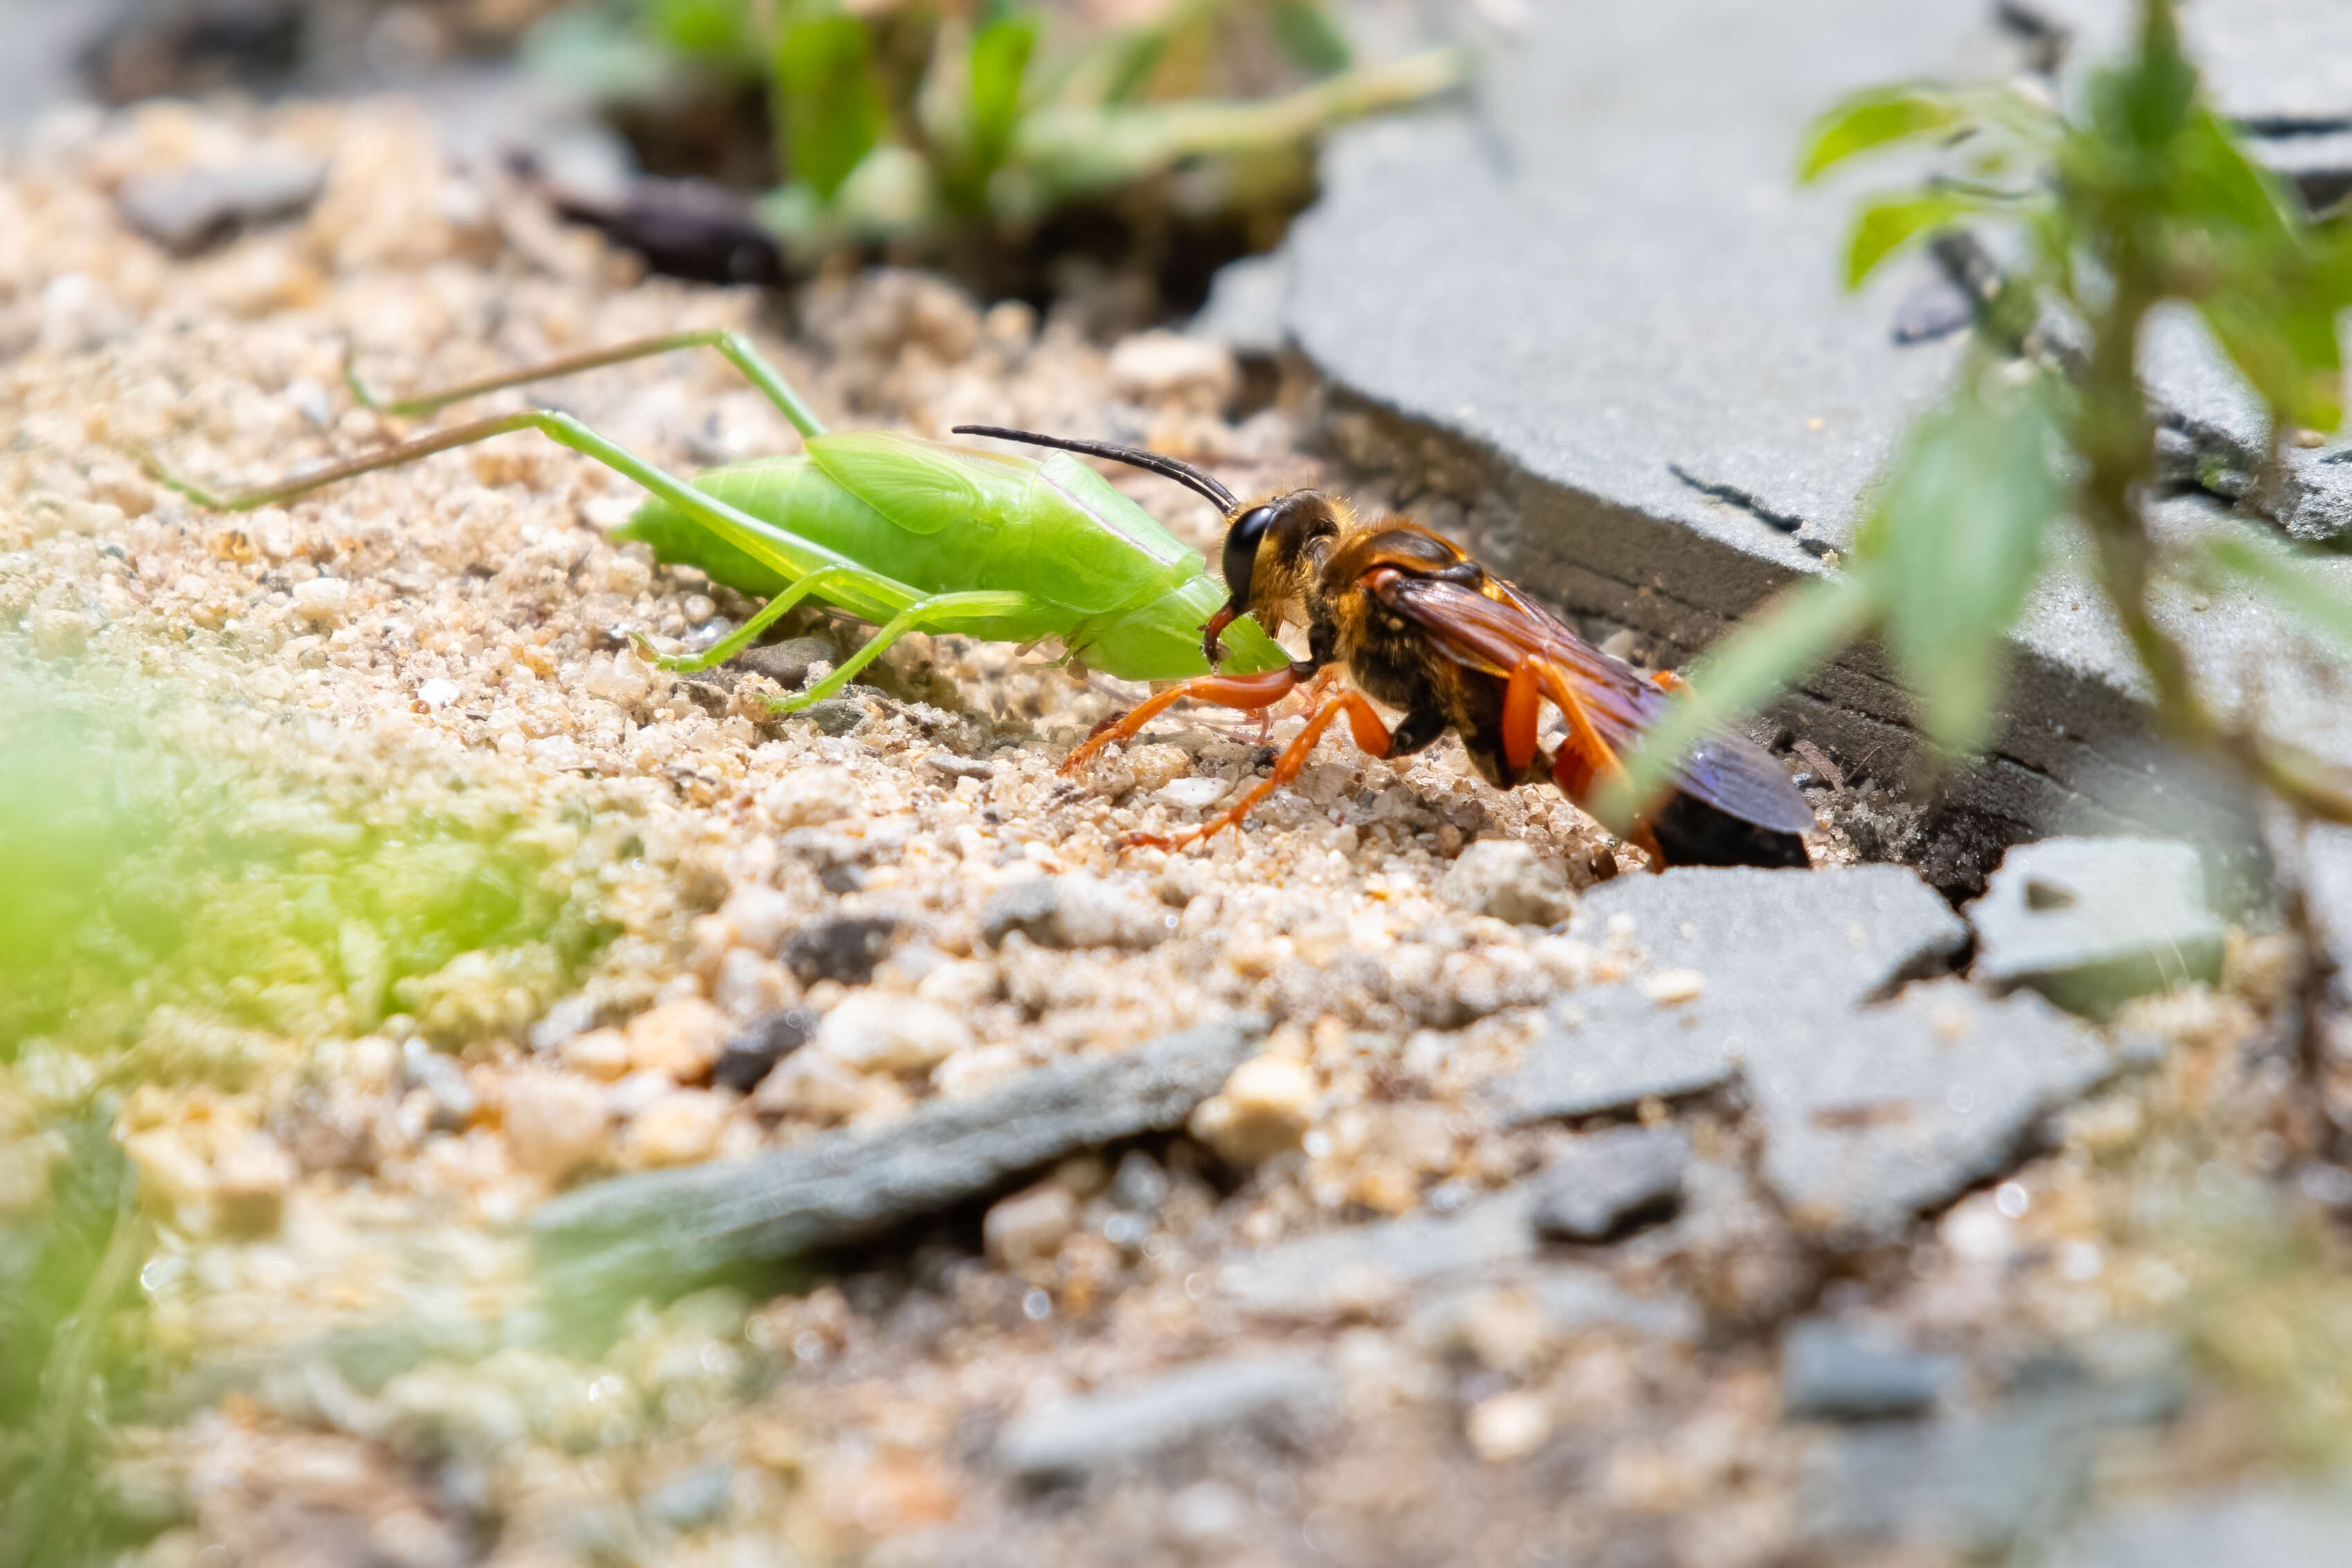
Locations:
{"points": [[733, 346], [742, 636], [914, 618]]}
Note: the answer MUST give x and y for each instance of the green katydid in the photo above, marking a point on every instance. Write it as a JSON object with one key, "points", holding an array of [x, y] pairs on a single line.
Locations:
{"points": [[907, 533]]}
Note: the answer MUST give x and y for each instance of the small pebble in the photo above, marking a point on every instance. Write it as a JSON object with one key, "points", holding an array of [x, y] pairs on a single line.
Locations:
{"points": [[1507, 1426], [678, 1039], [809, 798], [748, 984], [601, 1054], [1509, 881], [753, 1051], [323, 601], [1831, 1373], [1606, 1183], [1672, 988], [1191, 793], [188, 209], [555, 1123], [1264, 1110], [787, 663], [845, 949], [881, 1034], [759, 917], [251, 1177], [695, 1500], [1029, 1226], [1169, 367], [682, 1128]]}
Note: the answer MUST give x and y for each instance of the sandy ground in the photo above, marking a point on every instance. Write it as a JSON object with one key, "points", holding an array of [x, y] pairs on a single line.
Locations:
{"points": [[452, 638]]}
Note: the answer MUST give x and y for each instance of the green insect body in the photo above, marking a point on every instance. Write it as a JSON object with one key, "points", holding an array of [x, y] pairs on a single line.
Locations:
{"points": [[1120, 593], [913, 535]]}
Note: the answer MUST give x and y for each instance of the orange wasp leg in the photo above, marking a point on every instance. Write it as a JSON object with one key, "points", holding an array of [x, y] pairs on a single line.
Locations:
{"points": [[1243, 692], [1363, 722], [1532, 679]]}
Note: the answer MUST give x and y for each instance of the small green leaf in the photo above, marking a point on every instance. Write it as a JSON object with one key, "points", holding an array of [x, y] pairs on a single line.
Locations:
{"points": [[716, 30], [1956, 539], [2285, 347], [2293, 578], [1886, 223], [1874, 117], [999, 58], [831, 109], [1309, 36], [2139, 106], [1805, 625], [2216, 186]]}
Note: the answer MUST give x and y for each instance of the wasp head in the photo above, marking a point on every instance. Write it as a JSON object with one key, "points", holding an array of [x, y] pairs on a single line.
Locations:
{"points": [[1272, 549]]}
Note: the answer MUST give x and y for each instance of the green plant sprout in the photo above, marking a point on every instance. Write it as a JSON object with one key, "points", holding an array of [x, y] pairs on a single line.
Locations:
{"points": [[2135, 196], [909, 534], [917, 122]]}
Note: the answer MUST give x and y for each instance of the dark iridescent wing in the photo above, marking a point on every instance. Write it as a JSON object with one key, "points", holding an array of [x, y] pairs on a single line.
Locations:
{"points": [[1493, 631]]}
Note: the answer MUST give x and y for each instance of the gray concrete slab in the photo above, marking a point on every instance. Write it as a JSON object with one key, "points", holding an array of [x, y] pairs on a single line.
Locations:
{"points": [[1592, 318], [2092, 922], [1764, 943], [1894, 1110]]}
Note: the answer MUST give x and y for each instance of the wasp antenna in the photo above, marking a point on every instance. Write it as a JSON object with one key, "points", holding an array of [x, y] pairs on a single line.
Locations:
{"points": [[1159, 463]]}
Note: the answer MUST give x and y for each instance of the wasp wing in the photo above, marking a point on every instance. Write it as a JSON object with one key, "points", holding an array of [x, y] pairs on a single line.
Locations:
{"points": [[1494, 631]]}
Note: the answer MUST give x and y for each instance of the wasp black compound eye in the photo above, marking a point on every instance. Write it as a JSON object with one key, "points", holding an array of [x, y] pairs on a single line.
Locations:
{"points": [[1241, 552]]}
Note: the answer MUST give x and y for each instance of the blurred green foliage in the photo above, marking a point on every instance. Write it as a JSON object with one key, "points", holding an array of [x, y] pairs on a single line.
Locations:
{"points": [[177, 916], [921, 121], [142, 879], [2131, 196]]}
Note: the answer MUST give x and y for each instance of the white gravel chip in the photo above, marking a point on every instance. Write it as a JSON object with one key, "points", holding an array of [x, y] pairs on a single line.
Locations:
{"points": [[555, 1123], [1510, 881], [1264, 1110], [1191, 793], [885, 1034], [323, 601], [1030, 1226], [810, 798]]}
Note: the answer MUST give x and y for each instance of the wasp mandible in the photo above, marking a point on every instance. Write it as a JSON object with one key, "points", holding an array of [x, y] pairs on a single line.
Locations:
{"points": [[1397, 612]]}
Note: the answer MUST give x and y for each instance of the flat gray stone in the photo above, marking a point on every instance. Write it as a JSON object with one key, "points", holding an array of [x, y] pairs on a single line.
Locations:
{"points": [[1766, 943], [1833, 938], [787, 662], [2276, 1526], [1831, 1373], [2092, 922], [1572, 1298], [1609, 1048], [1341, 1271], [1609, 1182], [1121, 1423], [665, 1230], [187, 210], [1871, 1113], [1968, 1485], [1594, 318], [1875, 1116], [1243, 310]]}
